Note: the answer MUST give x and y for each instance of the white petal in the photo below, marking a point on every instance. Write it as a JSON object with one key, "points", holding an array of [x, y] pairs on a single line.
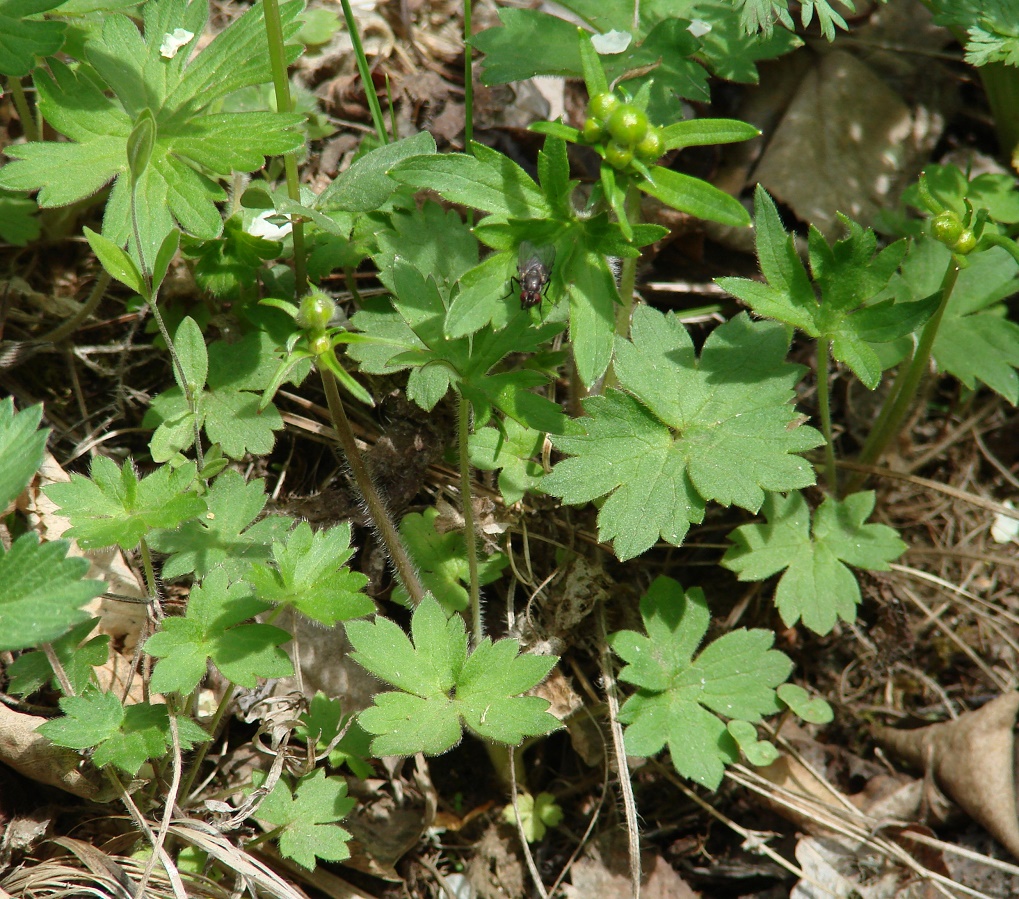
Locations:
{"points": [[262, 227], [173, 42], [611, 42], [1005, 528]]}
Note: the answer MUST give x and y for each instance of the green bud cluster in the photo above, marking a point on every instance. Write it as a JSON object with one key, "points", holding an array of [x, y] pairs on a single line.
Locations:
{"points": [[623, 130]]}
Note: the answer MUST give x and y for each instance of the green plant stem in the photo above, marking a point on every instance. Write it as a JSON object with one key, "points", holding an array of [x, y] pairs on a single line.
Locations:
{"points": [[901, 398], [151, 584], [150, 298], [58, 669], [24, 112], [470, 534], [284, 103], [1001, 85], [188, 392], [203, 748], [366, 77], [468, 79], [73, 323], [350, 274], [627, 281], [377, 510], [824, 406], [628, 271]]}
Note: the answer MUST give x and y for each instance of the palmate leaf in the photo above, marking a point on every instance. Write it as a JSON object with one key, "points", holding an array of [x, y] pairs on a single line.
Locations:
{"points": [[720, 427], [217, 626], [818, 585], [833, 305], [124, 736], [442, 688], [306, 819], [114, 506], [227, 407], [512, 450], [412, 335], [684, 701], [309, 572], [229, 537], [441, 559], [129, 80]]}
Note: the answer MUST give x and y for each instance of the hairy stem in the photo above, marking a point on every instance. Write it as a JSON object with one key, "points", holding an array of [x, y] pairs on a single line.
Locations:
{"points": [[470, 534], [824, 405], [377, 510], [24, 112]]}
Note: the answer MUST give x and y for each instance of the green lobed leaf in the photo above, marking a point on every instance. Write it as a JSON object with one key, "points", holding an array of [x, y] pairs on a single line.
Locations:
{"points": [[758, 752], [310, 573], [229, 408], [719, 427], [817, 587], [445, 688], [130, 81], [730, 51], [441, 559], [114, 506], [22, 448], [815, 710], [528, 43], [41, 592], [306, 818], [537, 814], [842, 305], [975, 342], [229, 536], [125, 737], [510, 450], [217, 626], [682, 696]]}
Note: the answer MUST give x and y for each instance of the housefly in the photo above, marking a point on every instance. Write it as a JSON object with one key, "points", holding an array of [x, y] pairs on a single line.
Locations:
{"points": [[534, 271]]}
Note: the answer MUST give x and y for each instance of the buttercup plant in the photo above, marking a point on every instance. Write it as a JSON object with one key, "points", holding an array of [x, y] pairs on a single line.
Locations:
{"points": [[665, 423]]}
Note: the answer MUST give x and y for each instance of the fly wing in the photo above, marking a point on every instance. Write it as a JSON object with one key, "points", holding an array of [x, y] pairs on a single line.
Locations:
{"points": [[544, 254]]}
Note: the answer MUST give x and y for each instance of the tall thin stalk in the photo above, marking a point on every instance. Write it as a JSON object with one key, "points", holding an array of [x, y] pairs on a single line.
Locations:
{"points": [[470, 534], [468, 79], [824, 405], [897, 404], [284, 103], [377, 510], [365, 72]]}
